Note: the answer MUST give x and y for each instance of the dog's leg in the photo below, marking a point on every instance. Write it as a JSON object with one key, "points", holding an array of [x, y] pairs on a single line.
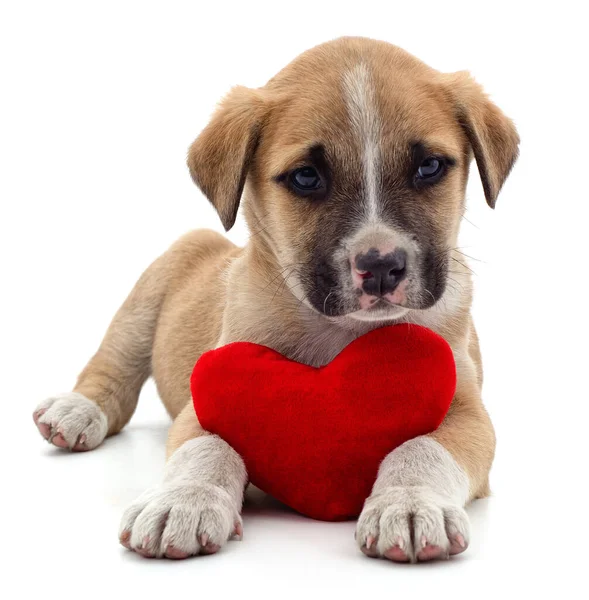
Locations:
{"points": [[197, 507], [107, 390], [416, 509]]}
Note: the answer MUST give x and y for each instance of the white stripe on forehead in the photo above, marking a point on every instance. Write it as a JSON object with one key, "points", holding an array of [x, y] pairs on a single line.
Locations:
{"points": [[361, 102]]}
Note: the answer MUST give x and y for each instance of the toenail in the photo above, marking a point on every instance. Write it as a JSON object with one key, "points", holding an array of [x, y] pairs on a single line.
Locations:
{"points": [[238, 534]]}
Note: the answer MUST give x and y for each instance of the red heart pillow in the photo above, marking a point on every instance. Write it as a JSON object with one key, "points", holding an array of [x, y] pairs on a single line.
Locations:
{"points": [[314, 437]]}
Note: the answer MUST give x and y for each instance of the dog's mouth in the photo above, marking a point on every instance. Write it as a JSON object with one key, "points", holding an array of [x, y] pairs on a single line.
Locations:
{"points": [[379, 309], [382, 304], [329, 289], [337, 303]]}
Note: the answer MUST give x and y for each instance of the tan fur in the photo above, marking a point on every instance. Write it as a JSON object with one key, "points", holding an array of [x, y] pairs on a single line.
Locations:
{"points": [[205, 292]]}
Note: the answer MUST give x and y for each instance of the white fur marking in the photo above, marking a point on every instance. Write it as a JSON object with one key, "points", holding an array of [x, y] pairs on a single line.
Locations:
{"points": [[72, 414], [198, 502], [361, 102], [421, 487]]}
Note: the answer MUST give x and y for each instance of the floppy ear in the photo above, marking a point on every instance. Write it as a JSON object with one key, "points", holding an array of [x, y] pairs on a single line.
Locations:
{"points": [[219, 159], [492, 135]]}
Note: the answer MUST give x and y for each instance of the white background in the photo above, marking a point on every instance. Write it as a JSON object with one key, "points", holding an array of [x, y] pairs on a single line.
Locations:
{"points": [[98, 104]]}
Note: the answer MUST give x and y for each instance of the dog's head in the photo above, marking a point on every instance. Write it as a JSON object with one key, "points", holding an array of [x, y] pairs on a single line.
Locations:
{"points": [[353, 163]]}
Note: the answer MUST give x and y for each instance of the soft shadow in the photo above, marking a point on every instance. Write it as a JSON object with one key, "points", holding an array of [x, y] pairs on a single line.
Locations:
{"points": [[478, 511], [259, 504], [151, 435], [157, 431]]}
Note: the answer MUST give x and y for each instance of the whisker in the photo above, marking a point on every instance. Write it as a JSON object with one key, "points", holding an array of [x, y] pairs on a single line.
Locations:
{"points": [[325, 301], [463, 264], [432, 296], [281, 272], [280, 287], [456, 282], [259, 222], [467, 256], [470, 222]]}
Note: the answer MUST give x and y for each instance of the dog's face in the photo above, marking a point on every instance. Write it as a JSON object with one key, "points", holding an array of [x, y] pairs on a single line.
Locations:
{"points": [[355, 159]]}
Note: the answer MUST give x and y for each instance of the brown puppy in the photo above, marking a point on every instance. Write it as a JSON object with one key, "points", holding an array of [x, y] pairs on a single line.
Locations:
{"points": [[351, 165]]}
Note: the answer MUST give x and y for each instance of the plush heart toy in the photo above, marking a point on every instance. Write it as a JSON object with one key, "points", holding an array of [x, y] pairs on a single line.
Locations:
{"points": [[314, 437]]}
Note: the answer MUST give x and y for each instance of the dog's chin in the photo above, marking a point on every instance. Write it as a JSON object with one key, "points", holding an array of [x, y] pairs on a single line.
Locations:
{"points": [[382, 312]]}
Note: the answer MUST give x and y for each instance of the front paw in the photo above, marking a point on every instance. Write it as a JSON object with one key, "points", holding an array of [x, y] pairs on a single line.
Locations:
{"points": [[180, 520], [409, 524], [71, 421]]}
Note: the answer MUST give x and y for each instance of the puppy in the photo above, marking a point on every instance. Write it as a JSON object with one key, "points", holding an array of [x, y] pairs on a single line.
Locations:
{"points": [[351, 167]]}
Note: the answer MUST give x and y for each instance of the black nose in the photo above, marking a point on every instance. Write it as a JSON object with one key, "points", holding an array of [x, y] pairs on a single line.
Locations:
{"points": [[381, 273]]}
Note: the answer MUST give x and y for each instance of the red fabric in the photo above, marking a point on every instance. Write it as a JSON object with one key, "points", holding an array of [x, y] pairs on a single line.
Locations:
{"points": [[314, 437]]}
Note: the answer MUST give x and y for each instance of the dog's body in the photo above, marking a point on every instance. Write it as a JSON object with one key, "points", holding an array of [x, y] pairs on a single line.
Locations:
{"points": [[354, 161]]}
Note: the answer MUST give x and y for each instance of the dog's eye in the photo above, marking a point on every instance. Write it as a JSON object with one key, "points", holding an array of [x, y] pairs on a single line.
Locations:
{"points": [[305, 179], [430, 170]]}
